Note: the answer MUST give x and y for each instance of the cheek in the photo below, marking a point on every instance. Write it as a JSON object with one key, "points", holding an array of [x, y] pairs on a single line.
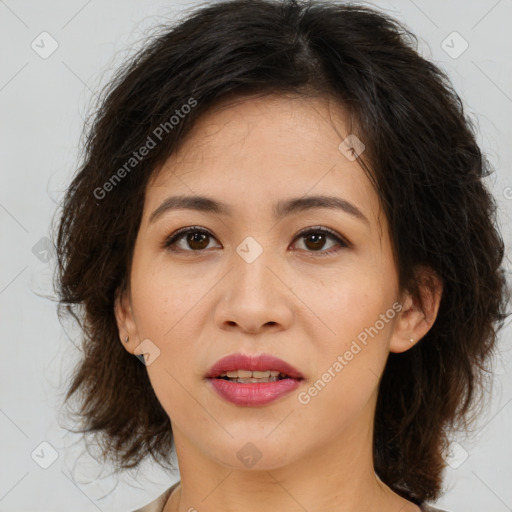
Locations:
{"points": [[167, 309], [347, 302], [163, 297], [352, 342], [350, 359]]}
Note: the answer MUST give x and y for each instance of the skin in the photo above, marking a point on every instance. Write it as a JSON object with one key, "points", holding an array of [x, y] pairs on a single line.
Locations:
{"points": [[292, 302]]}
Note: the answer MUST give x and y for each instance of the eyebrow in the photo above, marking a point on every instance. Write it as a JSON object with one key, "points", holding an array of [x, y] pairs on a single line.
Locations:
{"points": [[281, 209]]}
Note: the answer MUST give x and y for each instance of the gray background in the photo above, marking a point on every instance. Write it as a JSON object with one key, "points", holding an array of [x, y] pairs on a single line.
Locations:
{"points": [[43, 104]]}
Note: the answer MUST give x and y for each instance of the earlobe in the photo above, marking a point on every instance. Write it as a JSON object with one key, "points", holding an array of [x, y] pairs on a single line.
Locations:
{"points": [[418, 314], [125, 322]]}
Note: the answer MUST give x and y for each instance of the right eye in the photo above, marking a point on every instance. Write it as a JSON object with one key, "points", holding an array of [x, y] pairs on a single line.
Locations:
{"points": [[195, 237]]}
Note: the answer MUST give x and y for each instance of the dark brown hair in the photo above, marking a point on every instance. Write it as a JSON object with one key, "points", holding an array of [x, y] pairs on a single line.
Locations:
{"points": [[421, 155]]}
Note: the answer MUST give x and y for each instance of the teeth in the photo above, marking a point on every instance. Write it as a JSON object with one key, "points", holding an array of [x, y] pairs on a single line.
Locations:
{"points": [[246, 374], [250, 381]]}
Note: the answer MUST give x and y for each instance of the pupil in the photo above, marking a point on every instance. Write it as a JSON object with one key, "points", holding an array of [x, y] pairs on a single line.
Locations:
{"points": [[197, 238], [318, 240]]}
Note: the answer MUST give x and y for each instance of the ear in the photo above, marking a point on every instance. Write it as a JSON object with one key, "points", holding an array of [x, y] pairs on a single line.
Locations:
{"points": [[417, 316], [125, 320]]}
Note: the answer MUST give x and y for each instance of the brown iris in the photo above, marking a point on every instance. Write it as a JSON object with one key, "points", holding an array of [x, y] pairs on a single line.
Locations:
{"points": [[197, 241], [314, 241]]}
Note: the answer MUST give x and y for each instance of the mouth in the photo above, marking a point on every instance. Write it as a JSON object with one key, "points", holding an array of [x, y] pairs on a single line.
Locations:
{"points": [[251, 381], [247, 369], [251, 377]]}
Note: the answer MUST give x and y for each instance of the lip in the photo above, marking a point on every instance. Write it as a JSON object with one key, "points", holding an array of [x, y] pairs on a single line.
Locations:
{"points": [[257, 393], [253, 363]]}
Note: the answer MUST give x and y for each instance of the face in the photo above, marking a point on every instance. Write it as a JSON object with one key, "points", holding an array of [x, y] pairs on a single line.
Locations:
{"points": [[315, 286]]}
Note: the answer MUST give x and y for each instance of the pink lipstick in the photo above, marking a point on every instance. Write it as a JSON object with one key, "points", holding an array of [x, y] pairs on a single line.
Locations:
{"points": [[253, 380]]}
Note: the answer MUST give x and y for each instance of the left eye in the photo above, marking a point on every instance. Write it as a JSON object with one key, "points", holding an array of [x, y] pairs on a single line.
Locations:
{"points": [[315, 239], [197, 239]]}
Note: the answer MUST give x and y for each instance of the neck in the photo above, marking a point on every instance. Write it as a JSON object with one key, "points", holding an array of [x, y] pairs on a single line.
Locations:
{"points": [[336, 476]]}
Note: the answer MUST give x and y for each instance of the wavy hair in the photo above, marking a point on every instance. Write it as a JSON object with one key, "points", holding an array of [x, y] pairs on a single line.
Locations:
{"points": [[421, 155]]}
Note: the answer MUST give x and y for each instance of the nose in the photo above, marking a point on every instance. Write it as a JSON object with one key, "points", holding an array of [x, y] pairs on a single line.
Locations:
{"points": [[254, 297]]}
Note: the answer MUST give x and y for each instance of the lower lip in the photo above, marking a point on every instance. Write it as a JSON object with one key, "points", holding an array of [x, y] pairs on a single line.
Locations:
{"points": [[252, 394]]}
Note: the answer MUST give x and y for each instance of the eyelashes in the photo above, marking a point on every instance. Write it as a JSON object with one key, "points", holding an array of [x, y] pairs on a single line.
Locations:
{"points": [[177, 236], [189, 235]]}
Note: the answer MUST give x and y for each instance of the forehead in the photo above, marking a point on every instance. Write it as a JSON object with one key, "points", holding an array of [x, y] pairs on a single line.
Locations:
{"points": [[263, 149]]}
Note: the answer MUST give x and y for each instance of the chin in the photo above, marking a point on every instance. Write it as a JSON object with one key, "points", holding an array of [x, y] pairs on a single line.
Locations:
{"points": [[254, 454]]}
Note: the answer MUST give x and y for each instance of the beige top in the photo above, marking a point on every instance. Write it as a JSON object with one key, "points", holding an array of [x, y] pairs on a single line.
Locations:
{"points": [[158, 504]]}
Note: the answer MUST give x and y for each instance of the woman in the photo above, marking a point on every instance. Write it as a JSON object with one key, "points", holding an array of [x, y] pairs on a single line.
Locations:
{"points": [[285, 262]]}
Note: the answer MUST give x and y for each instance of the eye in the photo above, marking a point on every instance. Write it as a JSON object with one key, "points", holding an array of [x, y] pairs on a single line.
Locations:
{"points": [[195, 237], [315, 240]]}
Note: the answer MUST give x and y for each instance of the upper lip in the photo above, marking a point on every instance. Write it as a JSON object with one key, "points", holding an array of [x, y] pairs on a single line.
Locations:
{"points": [[260, 363]]}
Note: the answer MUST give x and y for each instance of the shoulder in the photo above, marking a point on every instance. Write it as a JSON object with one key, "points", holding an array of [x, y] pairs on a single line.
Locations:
{"points": [[157, 505], [425, 507]]}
